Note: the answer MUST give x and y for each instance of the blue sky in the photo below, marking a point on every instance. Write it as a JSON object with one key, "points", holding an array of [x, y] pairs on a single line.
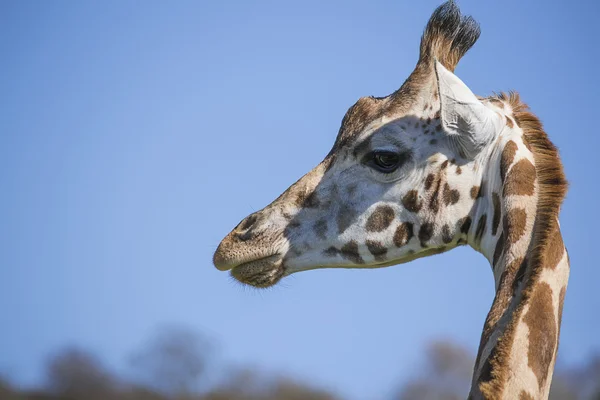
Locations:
{"points": [[134, 136]]}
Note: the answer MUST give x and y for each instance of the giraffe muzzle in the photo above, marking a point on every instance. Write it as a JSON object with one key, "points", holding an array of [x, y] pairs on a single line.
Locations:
{"points": [[260, 273]]}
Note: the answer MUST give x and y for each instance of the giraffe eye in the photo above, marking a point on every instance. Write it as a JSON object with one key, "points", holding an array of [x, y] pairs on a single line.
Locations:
{"points": [[385, 161]]}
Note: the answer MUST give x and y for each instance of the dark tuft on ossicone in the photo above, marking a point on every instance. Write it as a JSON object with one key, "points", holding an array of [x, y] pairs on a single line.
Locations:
{"points": [[448, 35]]}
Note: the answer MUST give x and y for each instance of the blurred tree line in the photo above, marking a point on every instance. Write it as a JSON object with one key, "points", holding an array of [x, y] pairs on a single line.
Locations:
{"points": [[174, 366]]}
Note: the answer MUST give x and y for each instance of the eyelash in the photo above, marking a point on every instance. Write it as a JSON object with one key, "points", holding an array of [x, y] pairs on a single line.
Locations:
{"points": [[385, 161]]}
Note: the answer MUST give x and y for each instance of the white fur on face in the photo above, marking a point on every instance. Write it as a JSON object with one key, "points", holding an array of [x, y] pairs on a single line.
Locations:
{"points": [[364, 220], [346, 213]]}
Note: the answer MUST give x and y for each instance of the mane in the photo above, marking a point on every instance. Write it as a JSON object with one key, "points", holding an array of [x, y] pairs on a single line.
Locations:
{"points": [[552, 182], [552, 188]]}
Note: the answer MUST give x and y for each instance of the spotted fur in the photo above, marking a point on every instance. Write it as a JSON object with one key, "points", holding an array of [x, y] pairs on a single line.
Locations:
{"points": [[500, 193]]}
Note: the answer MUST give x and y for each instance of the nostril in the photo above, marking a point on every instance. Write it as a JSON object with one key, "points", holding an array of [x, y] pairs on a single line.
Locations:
{"points": [[245, 230], [249, 234], [248, 222]]}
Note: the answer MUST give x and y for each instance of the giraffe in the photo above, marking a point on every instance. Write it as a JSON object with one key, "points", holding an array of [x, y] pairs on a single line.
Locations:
{"points": [[426, 169]]}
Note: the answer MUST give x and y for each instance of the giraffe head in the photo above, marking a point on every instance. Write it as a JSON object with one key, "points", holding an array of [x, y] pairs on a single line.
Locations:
{"points": [[399, 183]]}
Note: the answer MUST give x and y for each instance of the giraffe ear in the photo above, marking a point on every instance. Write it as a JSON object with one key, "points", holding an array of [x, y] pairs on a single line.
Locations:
{"points": [[466, 120]]}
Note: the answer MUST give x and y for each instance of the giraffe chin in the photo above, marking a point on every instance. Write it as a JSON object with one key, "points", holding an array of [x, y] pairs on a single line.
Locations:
{"points": [[261, 273]]}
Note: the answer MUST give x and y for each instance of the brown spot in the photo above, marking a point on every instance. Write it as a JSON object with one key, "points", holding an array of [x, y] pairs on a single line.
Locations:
{"points": [[497, 213], [311, 201], [425, 233], [410, 201], [498, 250], [320, 228], [451, 196], [556, 249], [345, 217], [519, 275], [458, 171], [525, 396], [293, 224], [520, 179], [301, 198], [481, 225], [446, 234], [509, 122], [429, 181], [403, 234], [331, 252], [350, 252], [380, 219], [465, 225], [542, 331], [477, 191], [434, 203], [377, 249], [444, 164], [508, 155], [515, 224]]}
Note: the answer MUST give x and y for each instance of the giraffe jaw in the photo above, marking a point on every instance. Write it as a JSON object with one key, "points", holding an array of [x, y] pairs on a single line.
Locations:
{"points": [[261, 273]]}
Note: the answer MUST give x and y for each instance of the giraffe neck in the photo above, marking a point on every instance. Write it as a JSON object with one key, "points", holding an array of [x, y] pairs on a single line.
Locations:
{"points": [[518, 212]]}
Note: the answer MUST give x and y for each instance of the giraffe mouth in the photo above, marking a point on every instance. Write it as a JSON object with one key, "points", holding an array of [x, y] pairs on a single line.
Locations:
{"points": [[260, 273]]}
